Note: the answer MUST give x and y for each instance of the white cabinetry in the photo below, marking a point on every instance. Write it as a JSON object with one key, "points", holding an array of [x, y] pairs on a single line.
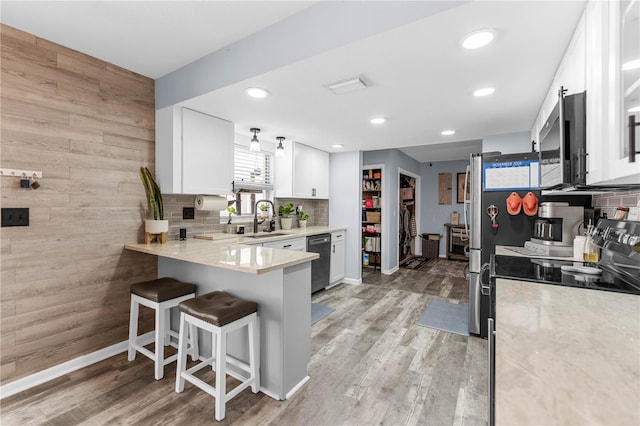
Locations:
{"points": [[337, 257], [194, 152], [606, 34], [297, 244], [303, 172], [624, 89]]}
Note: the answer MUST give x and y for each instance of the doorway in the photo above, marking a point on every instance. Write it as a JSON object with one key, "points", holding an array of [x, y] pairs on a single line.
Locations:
{"points": [[408, 217]]}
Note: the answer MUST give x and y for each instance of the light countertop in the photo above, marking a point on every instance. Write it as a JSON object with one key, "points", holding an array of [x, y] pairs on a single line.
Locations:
{"points": [[237, 252], [226, 254], [566, 355], [282, 234]]}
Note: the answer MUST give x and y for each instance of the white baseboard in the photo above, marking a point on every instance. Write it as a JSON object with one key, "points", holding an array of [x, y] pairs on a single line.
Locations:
{"points": [[61, 369], [297, 387], [352, 281], [391, 271]]}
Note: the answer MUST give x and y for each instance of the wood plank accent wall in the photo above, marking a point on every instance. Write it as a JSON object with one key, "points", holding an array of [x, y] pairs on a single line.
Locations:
{"points": [[88, 126]]}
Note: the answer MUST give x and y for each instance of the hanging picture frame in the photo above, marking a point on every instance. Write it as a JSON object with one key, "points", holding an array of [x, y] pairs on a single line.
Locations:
{"points": [[460, 192]]}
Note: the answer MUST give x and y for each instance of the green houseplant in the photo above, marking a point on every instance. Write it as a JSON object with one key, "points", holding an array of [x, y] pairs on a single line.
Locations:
{"points": [[264, 210], [284, 212], [157, 225], [302, 219]]}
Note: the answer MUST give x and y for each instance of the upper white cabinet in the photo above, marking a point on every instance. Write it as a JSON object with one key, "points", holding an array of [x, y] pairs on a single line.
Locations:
{"points": [[194, 152], [303, 172], [624, 89], [606, 37]]}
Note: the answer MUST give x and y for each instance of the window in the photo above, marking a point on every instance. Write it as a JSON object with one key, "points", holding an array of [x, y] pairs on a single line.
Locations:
{"points": [[253, 181]]}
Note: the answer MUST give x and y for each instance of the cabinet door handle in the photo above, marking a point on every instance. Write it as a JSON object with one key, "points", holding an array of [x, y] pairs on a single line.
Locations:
{"points": [[286, 245], [632, 138], [334, 248]]}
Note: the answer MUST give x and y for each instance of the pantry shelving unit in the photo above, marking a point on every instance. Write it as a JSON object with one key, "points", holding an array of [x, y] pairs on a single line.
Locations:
{"points": [[372, 218]]}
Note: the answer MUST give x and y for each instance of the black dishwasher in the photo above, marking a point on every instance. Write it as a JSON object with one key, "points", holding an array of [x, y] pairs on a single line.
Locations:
{"points": [[320, 244]]}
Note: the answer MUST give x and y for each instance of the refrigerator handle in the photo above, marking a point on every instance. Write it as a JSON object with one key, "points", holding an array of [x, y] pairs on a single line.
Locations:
{"points": [[466, 201], [485, 288]]}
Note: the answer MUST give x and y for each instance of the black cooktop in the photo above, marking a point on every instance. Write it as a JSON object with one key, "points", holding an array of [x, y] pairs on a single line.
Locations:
{"points": [[550, 272]]}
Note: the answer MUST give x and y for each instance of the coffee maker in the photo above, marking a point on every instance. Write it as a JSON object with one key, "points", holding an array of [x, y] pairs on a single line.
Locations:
{"points": [[553, 231]]}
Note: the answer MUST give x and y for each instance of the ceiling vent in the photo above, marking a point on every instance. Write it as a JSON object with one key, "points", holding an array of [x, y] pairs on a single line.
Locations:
{"points": [[352, 84]]}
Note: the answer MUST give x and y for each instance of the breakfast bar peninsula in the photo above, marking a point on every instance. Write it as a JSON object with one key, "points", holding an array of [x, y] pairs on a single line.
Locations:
{"points": [[278, 280]]}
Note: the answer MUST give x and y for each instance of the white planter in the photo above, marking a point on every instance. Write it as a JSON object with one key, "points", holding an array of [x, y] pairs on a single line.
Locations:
{"points": [[302, 223], [156, 226], [285, 222]]}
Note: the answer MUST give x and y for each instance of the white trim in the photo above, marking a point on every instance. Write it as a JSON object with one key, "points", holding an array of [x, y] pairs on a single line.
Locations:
{"points": [[270, 393], [390, 271], [59, 370], [297, 387], [352, 281]]}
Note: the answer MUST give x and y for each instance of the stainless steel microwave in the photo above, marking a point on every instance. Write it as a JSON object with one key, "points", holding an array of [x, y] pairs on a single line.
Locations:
{"points": [[563, 143]]}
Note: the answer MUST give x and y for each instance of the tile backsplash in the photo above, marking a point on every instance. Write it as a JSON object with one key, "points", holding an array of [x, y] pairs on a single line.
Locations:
{"points": [[610, 201], [209, 221], [318, 210]]}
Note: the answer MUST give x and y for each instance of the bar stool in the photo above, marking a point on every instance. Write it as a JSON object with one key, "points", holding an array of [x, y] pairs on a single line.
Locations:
{"points": [[161, 295], [220, 313]]}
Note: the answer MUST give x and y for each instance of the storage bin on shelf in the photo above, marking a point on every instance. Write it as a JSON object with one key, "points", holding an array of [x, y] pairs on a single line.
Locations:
{"points": [[373, 216]]}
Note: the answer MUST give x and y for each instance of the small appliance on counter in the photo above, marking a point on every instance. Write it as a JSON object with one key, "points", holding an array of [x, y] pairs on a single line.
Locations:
{"points": [[555, 228]]}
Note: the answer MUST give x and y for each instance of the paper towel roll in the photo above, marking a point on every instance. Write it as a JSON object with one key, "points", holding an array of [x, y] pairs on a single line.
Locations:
{"points": [[211, 202]]}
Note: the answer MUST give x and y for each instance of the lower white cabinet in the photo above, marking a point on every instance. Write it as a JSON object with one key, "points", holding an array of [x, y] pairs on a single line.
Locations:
{"points": [[297, 244], [337, 257]]}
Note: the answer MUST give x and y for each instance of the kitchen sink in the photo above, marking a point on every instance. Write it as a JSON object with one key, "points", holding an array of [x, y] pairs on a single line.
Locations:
{"points": [[264, 235]]}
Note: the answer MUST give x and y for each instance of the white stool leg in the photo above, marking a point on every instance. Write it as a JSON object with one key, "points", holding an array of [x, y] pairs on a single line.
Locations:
{"points": [[182, 353], [160, 334], [167, 326], [193, 338], [254, 353], [133, 328], [221, 376]]}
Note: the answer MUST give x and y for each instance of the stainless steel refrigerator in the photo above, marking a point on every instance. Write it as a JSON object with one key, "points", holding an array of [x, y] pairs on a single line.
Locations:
{"points": [[493, 177]]}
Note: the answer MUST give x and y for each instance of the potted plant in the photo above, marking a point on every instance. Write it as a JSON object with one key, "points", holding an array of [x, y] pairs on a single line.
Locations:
{"points": [[231, 211], [284, 212], [302, 219], [157, 225], [264, 210]]}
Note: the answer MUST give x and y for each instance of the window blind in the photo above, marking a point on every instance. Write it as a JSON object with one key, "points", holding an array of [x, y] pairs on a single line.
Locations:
{"points": [[253, 171]]}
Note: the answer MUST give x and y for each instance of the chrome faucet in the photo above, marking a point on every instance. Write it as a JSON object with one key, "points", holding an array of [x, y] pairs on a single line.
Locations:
{"points": [[272, 222]]}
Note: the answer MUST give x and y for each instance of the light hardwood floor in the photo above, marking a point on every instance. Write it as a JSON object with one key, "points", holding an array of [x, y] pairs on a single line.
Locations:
{"points": [[371, 364]]}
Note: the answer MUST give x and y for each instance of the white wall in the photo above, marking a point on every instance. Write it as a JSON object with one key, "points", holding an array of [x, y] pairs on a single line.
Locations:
{"points": [[345, 207], [507, 143]]}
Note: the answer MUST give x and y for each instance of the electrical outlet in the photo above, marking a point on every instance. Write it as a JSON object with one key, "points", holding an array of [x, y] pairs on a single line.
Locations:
{"points": [[188, 213], [12, 216]]}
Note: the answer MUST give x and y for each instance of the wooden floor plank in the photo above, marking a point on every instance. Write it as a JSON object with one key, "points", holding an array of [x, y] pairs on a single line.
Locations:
{"points": [[371, 364]]}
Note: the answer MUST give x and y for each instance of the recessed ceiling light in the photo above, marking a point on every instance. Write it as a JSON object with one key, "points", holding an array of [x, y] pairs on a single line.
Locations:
{"points": [[631, 65], [256, 92], [337, 145], [447, 132], [634, 109], [478, 38], [484, 91], [377, 120]]}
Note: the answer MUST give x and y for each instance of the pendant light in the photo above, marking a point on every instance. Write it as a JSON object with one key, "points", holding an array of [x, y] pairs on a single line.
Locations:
{"points": [[254, 146], [280, 148]]}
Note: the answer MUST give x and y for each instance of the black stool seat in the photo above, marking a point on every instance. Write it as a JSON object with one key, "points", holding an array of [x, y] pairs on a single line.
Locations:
{"points": [[162, 289], [218, 308]]}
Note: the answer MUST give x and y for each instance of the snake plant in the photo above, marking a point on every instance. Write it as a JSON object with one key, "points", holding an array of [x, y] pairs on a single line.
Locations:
{"points": [[153, 191]]}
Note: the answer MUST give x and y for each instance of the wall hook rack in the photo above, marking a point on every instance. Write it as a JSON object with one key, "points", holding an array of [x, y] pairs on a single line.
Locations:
{"points": [[35, 174]]}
